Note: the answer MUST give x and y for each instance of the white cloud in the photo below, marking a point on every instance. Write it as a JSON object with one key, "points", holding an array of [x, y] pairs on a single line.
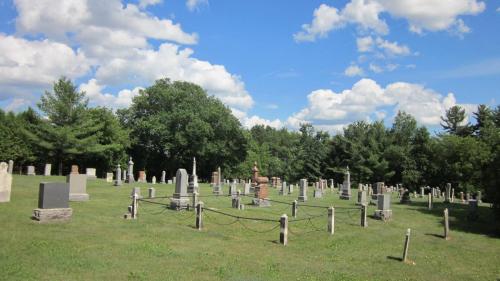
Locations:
{"points": [[365, 44], [375, 68], [249, 122], [392, 48], [144, 3], [353, 70], [195, 4], [18, 104], [96, 97], [430, 15], [498, 9], [367, 100]]}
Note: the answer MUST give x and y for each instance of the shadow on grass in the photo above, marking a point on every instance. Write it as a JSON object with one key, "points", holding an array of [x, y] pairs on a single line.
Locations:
{"points": [[435, 235], [458, 216], [394, 258]]}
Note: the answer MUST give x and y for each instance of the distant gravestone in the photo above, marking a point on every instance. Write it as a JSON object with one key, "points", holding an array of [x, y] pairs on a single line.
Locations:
{"points": [[153, 180], [53, 203], [91, 173], [142, 177], [232, 189], [246, 189], [303, 190], [11, 167], [170, 182], [77, 187], [405, 199], [290, 189], [124, 175], [383, 211], [283, 190], [317, 193], [421, 192], [261, 193], [217, 182], [130, 171], [118, 179], [479, 197], [346, 186], [5, 182], [74, 170], [30, 171], [47, 170], [109, 177], [362, 198], [163, 175], [447, 197], [151, 192], [180, 199], [136, 191]]}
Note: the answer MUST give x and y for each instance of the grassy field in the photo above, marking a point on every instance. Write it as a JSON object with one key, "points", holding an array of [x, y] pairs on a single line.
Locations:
{"points": [[98, 244]]}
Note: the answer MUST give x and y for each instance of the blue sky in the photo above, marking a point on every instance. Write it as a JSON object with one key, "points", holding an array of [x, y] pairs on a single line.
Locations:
{"points": [[279, 63]]}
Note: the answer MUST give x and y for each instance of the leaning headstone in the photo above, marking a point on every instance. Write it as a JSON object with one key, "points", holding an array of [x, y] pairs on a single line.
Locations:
{"points": [[383, 211], [118, 180], [77, 187], [163, 175], [90, 172], [109, 177], [30, 171], [303, 190], [53, 203], [11, 167], [346, 186], [47, 170], [180, 198], [153, 180], [5, 182]]}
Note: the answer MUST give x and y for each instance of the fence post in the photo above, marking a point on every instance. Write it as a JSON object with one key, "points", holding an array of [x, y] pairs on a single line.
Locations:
{"points": [[194, 199], [294, 208], [429, 201], [446, 225], [284, 229], [199, 215], [407, 245], [134, 206], [331, 220], [364, 222]]}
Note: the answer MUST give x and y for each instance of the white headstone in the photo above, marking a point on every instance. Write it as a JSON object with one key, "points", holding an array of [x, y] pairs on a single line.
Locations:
{"points": [[5, 183], [31, 170], [47, 170]]}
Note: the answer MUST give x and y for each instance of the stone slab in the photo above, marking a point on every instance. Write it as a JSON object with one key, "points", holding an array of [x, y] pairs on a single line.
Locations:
{"points": [[77, 187], [52, 215], [52, 195]]}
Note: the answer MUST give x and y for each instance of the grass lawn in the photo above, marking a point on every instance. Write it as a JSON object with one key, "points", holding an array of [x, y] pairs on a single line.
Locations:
{"points": [[98, 244]]}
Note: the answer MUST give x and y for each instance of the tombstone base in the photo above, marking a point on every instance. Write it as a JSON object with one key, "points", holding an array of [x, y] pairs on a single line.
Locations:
{"points": [[384, 215], [79, 197], [52, 215], [302, 198], [261, 202], [345, 197], [117, 183], [318, 194], [179, 203], [5, 196], [217, 191]]}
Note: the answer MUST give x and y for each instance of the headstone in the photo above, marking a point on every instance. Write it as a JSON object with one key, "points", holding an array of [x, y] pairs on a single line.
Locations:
{"points": [[90, 173], [142, 177], [74, 170], [151, 192], [109, 177], [137, 191], [5, 182], [383, 211], [47, 170], [30, 171], [174, 180], [124, 176], [261, 193], [479, 197], [346, 186], [452, 195], [53, 203], [246, 189], [163, 175], [195, 176], [217, 182], [317, 193], [77, 187], [232, 189], [379, 188], [462, 197], [153, 180], [421, 192], [405, 199], [170, 182], [303, 190], [180, 198], [283, 190], [290, 189], [130, 172], [362, 198], [11, 167], [332, 185], [118, 180], [447, 197]]}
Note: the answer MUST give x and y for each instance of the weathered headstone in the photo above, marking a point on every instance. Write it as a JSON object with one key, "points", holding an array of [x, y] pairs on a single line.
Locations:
{"points": [[53, 203], [90, 172], [170, 182], [317, 193], [217, 182], [142, 177], [153, 180], [303, 190], [290, 189], [180, 198], [232, 189], [163, 175], [11, 167], [405, 199], [137, 192], [118, 180], [47, 170], [5, 182], [124, 175], [383, 211], [246, 189], [77, 187], [362, 198], [261, 193], [74, 170], [346, 186], [283, 190], [447, 198], [479, 197], [30, 171], [462, 198], [109, 177], [130, 172], [151, 192]]}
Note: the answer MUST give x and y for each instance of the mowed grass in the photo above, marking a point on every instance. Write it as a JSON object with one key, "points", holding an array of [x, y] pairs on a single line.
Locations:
{"points": [[98, 244]]}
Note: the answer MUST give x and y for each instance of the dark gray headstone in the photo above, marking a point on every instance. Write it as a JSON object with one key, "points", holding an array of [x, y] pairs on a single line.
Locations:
{"points": [[53, 195]]}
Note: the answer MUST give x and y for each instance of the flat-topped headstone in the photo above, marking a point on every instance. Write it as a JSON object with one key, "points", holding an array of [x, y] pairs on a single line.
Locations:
{"points": [[170, 182], [91, 173], [180, 198], [77, 187], [246, 189], [52, 203], [137, 191], [47, 170], [10, 169], [151, 192], [303, 190], [5, 182], [163, 175], [153, 180], [118, 179], [317, 193], [142, 176], [362, 197], [383, 207], [346, 186], [30, 171], [290, 189], [109, 177], [74, 170]]}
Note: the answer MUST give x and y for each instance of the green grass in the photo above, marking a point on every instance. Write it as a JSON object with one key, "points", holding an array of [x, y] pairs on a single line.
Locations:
{"points": [[98, 244]]}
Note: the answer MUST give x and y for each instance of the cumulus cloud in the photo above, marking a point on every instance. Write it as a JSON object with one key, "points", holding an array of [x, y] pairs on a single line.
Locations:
{"points": [[367, 100], [94, 92], [421, 15], [365, 44], [192, 5], [249, 122], [144, 3], [18, 104], [353, 70]]}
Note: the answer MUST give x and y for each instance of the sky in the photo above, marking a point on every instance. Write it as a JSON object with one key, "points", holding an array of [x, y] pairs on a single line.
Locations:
{"points": [[278, 63]]}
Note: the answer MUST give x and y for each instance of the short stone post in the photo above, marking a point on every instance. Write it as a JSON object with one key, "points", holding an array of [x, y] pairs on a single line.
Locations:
{"points": [[446, 225], [294, 208], [364, 222], [194, 199], [152, 192], [284, 229], [134, 205], [407, 245], [331, 220], [429, 201], [199, 215]]}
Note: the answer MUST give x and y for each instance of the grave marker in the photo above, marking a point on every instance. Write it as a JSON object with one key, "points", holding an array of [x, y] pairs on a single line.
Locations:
{"points": [[53, 203], [180, 198], [5, 182], [77, 187], [47, 170]]}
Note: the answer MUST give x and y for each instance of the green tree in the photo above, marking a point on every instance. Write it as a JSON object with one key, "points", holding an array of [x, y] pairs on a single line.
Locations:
{"points": [[484, 118], [453, 122]]}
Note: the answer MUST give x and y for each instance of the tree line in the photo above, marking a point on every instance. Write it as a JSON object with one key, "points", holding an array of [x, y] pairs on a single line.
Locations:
{"points": [[171, 122]]}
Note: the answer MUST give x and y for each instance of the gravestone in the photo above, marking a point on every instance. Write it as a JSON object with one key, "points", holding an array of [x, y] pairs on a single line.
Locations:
{"points": [[52, 203], [383, 211], [195, 176], [5, 183], [332, 185], [479, 197], [90, 172], [421, 192], [11, 167], [30, 171], [77, 187], [124, 175], [232, 189], [246, 189], [217, 182], [303, 190], [405, 199], [74, 170], [153, 180], [163, 175], [346, 186], [180, 198], [151, 192], [109, 177], [452, 195], [290, 189], [283, 190], [462, 197], [379, 188], [47, 170], [261, 193], [170, 182], [447, 198], [174, 179], [317, 193], [137, 191], [118, 180], [362, 198], [142, 177], [130, 172]]}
